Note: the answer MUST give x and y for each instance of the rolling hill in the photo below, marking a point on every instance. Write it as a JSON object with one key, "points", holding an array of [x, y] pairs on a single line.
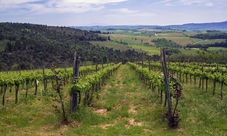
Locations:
{"points": [[28, 46]]}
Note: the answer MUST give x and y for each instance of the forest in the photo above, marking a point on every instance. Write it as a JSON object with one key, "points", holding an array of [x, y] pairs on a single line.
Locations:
{"points": [[30, 46]]}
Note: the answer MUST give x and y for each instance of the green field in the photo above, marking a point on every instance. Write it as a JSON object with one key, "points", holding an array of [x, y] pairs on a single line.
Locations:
{"points": [[178, 37], [111, 44], [141, 39], [151, 50], [199, 41], [189, 52], [135, 42], [217, 48]]}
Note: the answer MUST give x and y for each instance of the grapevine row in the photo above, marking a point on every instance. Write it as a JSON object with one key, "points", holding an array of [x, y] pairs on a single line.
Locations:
{"points": [[29, 77], [187, 71], [85, 87], [217, 74], [15, 78], [155, 80]]}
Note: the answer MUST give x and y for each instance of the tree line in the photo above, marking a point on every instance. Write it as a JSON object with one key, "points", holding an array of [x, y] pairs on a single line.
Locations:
{"points": [[162, 42], [205, 47], [211, 35]]}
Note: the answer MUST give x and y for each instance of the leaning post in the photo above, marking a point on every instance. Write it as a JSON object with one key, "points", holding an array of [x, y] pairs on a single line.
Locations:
{"points": [[75, 94]]}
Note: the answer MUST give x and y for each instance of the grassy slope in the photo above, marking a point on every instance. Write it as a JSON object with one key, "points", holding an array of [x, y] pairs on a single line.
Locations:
{"points": [[202, 113], [31, 116], [176, 37], [151, 50], [140, 39], [210, 41], [111, 44], [124, 106]]}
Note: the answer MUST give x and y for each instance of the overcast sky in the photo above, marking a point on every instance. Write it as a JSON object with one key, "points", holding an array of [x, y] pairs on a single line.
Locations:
{"points": [[112, 12]]}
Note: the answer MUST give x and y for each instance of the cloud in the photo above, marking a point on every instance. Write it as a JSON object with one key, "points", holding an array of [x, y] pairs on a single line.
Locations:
{"points": [[9, 2], [97, 2], [59, 6], [209, 4], [190, 2], [145, 14], [179, 2], [125, 10], [13, 2], [63, 8], [161, 2]]}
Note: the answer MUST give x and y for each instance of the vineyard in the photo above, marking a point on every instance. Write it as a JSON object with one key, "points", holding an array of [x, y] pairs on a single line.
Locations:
{"points": [[136, 98]]}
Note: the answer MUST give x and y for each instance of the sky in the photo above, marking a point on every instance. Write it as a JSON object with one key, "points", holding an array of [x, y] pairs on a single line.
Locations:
{"points": [[112, 12]]}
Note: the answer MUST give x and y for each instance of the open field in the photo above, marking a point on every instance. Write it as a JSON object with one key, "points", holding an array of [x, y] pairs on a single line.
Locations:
{"points": [[111, 44], [178, 37], [134, 44], [189, 52], [216, 48], [140, 41], [151, 50], [210, 41]]}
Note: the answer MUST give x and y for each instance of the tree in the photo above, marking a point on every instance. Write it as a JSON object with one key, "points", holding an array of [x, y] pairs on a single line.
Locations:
{"points": [[9, 47]]}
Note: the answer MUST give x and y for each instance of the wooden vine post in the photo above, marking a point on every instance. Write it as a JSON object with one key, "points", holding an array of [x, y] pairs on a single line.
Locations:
{"points": [[75, 94], [26, 82], [96, 69], [96, 64], [206, 83], [166, 75], [44, 79], [102, 62], [65, 72], [36, 82], [221, 94], [142, 61], [4, 94], [16, 92], [149, 63], [172, 115]]}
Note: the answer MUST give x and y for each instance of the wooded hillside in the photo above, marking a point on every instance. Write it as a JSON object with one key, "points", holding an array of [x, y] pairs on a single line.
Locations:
{"points": [[26, 46]]}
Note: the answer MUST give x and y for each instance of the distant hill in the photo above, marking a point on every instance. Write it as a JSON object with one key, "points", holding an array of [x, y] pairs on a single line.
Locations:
{"points": [[25, 46], [221, 26]]}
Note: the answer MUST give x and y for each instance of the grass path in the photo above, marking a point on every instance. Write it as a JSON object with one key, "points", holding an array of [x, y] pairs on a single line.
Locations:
{"points": [[119, 100], [125, 106]]}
